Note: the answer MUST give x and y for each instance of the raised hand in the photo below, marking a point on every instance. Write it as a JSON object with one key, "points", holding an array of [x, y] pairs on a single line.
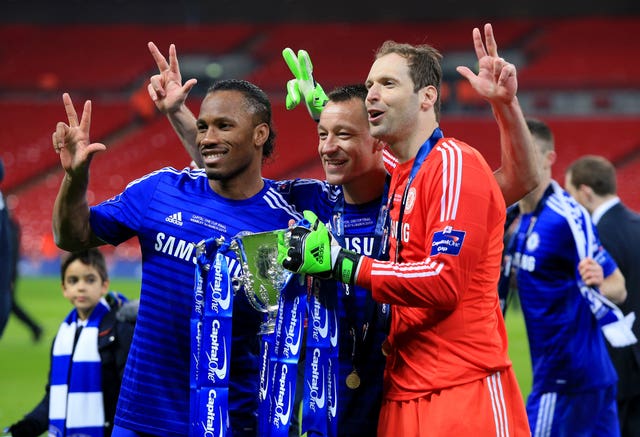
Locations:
{"points": [[303, 86], [166, 88], [496, 79], [71, 141]]}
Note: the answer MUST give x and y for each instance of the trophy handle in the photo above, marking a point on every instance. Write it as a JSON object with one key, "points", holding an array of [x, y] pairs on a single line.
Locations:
{"points": [[262, 277]]}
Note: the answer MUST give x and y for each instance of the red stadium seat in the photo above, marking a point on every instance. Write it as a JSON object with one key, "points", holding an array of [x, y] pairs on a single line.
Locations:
{"points": [[560, 55], [101, 57], [342, 52], [26, 134], [583, 53]]}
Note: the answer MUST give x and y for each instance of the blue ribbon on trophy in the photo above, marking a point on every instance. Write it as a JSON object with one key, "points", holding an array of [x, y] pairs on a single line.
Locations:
{"points": [[287, 344], [211, 321], [320, 400], [270, 290], [283, 303]]}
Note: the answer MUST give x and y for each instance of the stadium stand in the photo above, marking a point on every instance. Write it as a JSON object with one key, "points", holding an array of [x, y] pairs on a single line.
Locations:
{"points": [[113, 56], [554, 56], [583, 53], [27, 129], [331, 46]]}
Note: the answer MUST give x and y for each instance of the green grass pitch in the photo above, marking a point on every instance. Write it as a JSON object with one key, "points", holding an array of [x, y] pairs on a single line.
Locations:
{"points": [[24, 364]]}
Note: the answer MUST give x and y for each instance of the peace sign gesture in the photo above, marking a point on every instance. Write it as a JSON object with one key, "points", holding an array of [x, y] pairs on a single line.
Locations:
{"points": [[303, 86], [166, 88], [71, 141], [496, 79]]}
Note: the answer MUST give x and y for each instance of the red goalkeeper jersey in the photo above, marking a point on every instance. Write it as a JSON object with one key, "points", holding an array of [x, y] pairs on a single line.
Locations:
{"points": [[446, 324]]}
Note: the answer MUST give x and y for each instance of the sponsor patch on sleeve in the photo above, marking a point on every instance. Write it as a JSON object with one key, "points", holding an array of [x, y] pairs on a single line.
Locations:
{"points": [[448, 241]]}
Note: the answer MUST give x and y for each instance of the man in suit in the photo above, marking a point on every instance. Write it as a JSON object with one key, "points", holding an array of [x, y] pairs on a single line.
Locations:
{"points": [[6, 255], [591, 180]]}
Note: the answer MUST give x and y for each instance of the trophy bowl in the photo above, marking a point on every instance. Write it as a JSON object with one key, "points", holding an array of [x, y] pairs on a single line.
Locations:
{"points": [[262, 277]]}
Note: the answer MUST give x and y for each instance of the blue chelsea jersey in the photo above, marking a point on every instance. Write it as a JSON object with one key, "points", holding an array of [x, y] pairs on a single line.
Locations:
{"points": [[567, 348], [327, 202], [358, 409], [170, 211]]}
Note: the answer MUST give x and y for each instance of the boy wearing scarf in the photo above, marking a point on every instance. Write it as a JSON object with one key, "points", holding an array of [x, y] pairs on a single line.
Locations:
{"points": [[87, 358]]}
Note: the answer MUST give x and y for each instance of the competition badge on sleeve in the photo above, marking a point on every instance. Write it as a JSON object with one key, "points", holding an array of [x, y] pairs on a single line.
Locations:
{"points": [[262, 277]]}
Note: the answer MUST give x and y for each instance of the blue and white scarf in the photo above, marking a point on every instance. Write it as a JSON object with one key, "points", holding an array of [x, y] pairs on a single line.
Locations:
{"points": [[615, 326], [75, 400]]}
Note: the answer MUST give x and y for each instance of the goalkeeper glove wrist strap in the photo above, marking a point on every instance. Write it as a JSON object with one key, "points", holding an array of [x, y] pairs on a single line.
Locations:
{"points": [[346, 266]]}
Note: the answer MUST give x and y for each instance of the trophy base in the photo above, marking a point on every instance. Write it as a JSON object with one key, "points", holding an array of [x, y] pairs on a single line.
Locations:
{"points": [[266, 329], [269, 326]]}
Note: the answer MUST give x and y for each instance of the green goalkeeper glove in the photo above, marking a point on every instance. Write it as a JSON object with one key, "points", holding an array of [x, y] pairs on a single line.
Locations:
{"points": [[314, 251], [303, 86]]}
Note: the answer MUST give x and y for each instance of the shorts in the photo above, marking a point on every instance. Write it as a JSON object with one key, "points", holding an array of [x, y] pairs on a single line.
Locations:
{"points": [[574, 414], [490, 406]]}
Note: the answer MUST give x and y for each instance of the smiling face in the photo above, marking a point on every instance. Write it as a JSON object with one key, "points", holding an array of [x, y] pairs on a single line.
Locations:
{"points": [[83, 287], [229, 138], [346, 148], [392, 104]]}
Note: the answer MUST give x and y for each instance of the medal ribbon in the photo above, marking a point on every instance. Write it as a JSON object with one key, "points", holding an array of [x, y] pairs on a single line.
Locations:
{"points": [[374, 312], [417, 163]]}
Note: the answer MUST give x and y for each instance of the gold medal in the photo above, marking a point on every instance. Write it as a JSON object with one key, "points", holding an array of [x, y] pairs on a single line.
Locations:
{"points": [[353, 380], [386, 348]]}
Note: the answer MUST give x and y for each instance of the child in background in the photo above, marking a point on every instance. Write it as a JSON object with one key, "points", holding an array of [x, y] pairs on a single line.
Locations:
{"points": [[88, 355]]}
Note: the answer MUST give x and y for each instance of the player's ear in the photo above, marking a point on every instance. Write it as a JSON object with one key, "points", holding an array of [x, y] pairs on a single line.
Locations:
{"points": [[587, 192], [428, 96], [105, 287], [261, 134]]}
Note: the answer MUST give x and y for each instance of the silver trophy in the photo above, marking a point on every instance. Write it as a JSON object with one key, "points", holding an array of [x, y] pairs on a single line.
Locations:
{"points": [[262, 277]]}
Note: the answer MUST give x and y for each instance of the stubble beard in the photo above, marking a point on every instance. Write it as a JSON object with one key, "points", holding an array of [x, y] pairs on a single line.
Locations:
{"points": [[225, 176]]}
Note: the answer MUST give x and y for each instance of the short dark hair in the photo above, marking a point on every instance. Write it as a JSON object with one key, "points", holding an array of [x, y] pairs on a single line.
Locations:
{"points": [[348, 92], [424, 61], [595, 172], [540, 130], [90, 257], [257, 102]]}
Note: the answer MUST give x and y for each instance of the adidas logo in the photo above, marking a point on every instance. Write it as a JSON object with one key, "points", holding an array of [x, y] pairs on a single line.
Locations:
{"points": [[318, 254], [175, 218]]}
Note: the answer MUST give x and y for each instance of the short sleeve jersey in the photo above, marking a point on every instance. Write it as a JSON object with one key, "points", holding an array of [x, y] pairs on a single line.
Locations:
{"points": [[567, 347], [170, 211], [446, 326]]}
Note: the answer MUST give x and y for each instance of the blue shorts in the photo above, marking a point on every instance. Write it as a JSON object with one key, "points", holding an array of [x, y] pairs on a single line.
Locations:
{"points": [[589, 413]]}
